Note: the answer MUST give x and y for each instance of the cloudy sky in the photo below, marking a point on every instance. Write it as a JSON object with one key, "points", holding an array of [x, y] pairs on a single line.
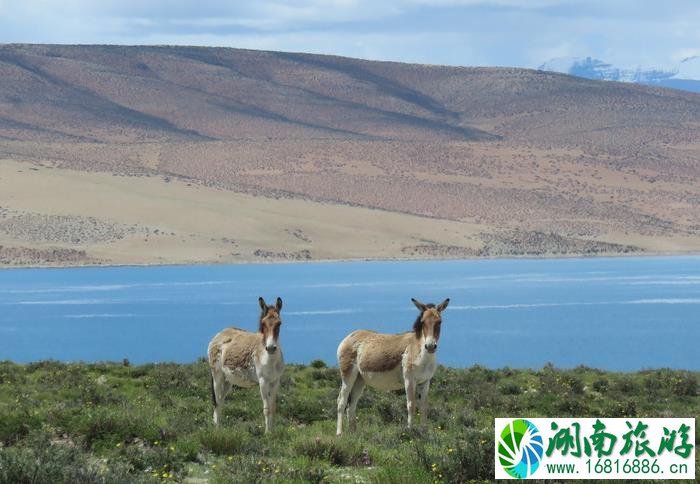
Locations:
{"points": [[628, 33]]}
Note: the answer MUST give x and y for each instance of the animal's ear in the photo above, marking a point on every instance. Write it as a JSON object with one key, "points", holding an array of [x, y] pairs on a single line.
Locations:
{"points": [[443, 305], [263, 305], [278, 304], [421, 307]]}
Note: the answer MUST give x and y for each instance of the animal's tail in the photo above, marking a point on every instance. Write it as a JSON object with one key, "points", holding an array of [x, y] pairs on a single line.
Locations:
{"points": [[213, 393]]}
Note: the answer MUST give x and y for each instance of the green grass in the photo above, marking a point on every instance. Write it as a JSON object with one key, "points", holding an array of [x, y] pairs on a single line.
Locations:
{"points": [[116, 423]]}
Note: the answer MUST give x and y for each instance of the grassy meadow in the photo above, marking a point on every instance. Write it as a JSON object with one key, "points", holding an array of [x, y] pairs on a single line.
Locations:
{"points": [[115, 422]]}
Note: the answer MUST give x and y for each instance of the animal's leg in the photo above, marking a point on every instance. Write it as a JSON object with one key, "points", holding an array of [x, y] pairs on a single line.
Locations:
{"points": [[220, 388], [355, 394], [345, 389], [410, 386], [422, 391], [273, 399], [265, 393]]}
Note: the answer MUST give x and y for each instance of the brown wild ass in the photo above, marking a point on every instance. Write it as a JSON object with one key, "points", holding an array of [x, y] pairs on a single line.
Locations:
{"points": [[246, 359], [390, 362]]}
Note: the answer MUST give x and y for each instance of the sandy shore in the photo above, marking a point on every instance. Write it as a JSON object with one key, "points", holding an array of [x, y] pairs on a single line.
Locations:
{"points": [[59, 217]]}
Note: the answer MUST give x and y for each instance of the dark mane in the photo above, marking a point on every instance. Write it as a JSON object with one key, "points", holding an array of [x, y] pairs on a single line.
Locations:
{"points": [[418, 325]]}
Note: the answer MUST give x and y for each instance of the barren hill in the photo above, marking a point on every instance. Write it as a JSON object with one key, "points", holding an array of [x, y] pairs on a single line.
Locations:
{"points": [[453, 161]]}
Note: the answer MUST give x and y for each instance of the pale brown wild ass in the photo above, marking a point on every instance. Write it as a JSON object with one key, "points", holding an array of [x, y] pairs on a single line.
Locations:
{"points": [[390, 362], [246, 359]]}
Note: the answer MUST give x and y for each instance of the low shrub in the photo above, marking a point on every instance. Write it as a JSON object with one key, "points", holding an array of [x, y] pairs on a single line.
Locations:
{"points": [[337, 452], [391, 410], [246, 469], [601, 385], [326, 375], [307, 408], [467, 459], [400, 475], [626, 385], [103, 426], [685, 385], [318, 364], [145, 456], [38, 460], [511, 388], [223, 440]]}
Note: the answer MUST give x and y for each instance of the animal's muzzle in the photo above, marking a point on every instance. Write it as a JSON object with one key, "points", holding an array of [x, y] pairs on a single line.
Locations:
{"points": [[271, 348], [431, 347]]}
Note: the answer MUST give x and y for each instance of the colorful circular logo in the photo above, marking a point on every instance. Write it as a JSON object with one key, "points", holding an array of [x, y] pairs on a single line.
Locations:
{"points": [[520, 448]]}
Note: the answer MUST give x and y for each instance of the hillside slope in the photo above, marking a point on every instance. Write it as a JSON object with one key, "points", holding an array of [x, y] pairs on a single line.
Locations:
{"points": [[538, 162]]}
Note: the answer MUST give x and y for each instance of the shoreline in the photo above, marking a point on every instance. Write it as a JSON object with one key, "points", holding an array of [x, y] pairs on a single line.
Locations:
{"points": [[333, 366], [645, 255], [191, 224]]}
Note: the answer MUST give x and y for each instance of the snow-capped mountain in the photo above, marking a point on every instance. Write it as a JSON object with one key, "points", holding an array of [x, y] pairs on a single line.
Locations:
{"points": [[685, 76]]}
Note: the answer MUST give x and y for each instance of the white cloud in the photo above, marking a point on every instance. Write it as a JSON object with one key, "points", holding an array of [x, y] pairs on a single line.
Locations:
{"points": [[460, 32], [501, 3]]}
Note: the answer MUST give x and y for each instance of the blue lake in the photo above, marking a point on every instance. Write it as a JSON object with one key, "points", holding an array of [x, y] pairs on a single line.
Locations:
{"points": [[610, 313]]}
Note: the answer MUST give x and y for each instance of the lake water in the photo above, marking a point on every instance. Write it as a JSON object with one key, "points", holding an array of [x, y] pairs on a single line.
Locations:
{"points": [[610, 313]]}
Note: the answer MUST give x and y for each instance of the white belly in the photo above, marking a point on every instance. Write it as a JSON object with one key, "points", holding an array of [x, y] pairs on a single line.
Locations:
{"points": [[384, 380], [241, 378]]}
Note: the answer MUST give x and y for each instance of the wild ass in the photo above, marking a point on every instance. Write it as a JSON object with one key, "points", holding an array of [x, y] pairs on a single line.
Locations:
{"points": [[390, 362], [246, 359]]}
